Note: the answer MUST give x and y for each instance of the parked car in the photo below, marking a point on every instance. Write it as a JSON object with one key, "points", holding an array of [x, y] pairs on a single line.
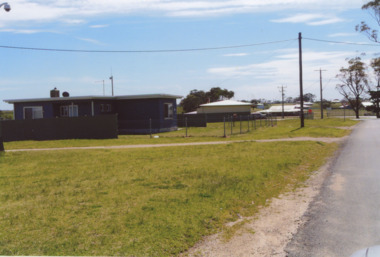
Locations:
{"points": [[258, 115]]}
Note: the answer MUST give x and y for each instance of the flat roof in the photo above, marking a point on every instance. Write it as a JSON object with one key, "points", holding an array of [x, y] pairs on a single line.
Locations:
{"points": [[78, 98]]}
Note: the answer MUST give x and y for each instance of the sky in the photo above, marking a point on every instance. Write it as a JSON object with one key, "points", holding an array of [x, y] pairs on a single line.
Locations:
{"points": [[247, 46]]}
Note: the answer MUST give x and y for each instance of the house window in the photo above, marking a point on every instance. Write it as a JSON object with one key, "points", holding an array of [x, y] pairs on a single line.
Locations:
{"points": [[105, 108], [69, 111], [168, 111], [34, 112]]}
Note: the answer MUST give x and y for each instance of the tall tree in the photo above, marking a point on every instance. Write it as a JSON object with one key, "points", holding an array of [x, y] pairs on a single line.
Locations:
{"points": [[193, 100], [216, 94], [308, 97], [375, 94], [197, 97], [373, 7], [354, 83]]}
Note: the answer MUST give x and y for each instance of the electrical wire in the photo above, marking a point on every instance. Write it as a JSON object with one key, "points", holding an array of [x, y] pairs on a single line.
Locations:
{"points": [[144, 51], [340, 42]]}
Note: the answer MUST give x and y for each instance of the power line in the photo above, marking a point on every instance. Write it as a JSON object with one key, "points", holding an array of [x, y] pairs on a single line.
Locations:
{"points": [[340, 42], [143, 51]]}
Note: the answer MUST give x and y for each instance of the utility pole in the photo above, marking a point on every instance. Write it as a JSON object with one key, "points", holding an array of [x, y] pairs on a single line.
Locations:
{"points": [[111, 78], [320, 84], [282, 96], [301, 80]]}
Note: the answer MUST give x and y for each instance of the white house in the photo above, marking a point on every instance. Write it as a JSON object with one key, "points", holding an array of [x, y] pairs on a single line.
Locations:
{"points": [[226, 106]]}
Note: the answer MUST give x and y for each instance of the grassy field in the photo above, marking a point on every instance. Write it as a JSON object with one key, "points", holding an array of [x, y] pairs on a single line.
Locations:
{"points": [[151, 201], [214, 132], [141, 202]]}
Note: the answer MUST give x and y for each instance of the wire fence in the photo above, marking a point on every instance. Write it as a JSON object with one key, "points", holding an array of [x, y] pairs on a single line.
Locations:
{"points": [[346, 113], [230, 125]]}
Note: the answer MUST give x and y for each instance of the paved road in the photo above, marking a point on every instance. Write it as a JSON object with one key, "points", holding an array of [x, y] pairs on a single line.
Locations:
{"points": [[345, 217]]}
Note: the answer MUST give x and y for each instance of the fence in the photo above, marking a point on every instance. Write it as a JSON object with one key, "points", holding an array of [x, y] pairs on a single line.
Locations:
{"points": [[230, 125], [99, 127], [345, 113]]}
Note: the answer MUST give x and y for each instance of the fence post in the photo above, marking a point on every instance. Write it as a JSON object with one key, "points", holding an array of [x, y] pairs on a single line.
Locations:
{"points": [[224, 122], [150, 127], [186, 125], [248, 120], [231, 124], [240, 123]]}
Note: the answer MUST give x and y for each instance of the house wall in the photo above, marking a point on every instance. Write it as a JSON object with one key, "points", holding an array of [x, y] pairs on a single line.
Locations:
{"points": [[19, 109], [144, 116]]}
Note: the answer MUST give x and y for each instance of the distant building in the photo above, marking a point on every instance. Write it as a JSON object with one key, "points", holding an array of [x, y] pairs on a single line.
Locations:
{"points": [[226, 106]]}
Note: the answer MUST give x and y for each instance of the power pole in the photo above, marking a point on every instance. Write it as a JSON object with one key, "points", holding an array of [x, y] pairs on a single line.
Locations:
{"points": [[282, 95], [111, 78], [301, 80], [320, 84]]}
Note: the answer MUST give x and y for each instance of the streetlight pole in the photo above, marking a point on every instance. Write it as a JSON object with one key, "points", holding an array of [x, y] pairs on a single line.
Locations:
{"points": [[7, 8]]}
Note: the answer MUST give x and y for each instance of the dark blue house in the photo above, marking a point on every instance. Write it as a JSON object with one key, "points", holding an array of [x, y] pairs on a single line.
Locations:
{"points": [[136, 114]]}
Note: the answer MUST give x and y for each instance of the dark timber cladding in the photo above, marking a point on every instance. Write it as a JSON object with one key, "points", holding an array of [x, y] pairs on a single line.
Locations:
{"points": [[136, 114]]}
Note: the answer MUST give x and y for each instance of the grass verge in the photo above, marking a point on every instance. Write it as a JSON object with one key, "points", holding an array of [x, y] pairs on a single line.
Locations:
{"points": [[140, 202], [214, 132]]}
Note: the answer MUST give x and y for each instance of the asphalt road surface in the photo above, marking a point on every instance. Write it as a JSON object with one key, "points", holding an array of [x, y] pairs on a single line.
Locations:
{"points": [[345, 217]]}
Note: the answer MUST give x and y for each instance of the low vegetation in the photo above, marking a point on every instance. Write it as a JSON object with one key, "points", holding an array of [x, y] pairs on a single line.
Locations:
{"points": [[148, 201], [214, 132], [140, 202]]}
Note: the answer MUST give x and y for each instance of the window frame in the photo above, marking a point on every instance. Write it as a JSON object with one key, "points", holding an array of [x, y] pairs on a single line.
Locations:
{"points": [[168, 111], [35, 111], [71, 110]]}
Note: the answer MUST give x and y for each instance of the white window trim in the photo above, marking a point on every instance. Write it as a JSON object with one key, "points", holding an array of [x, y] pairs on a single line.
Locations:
{"points": [[170, 111], [70, 110], [33, 112]]}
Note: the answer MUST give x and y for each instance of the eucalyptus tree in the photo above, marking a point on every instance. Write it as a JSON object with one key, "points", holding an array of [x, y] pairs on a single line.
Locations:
{"points": [[354, 83], [373, 7]]}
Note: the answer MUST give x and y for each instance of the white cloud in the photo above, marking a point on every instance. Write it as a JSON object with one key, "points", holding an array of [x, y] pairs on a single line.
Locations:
{"points": [[90, 40], [236, 55], [263, 78], [310, 19], [76, 11], [98, 26], [343, 35]]}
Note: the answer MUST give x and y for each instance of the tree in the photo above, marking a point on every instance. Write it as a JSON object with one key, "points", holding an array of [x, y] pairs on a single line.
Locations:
{"points": [[354, 83], [308, 97], [374, 9], [216, 94], [197, 97], [193, 100], [375, 94]]}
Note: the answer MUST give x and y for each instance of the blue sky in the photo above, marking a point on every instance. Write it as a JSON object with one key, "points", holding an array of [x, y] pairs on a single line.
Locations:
{"points": [[252, 72]]}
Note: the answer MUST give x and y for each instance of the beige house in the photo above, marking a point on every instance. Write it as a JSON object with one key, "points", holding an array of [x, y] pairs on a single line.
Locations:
{"points": [[227, 106]]}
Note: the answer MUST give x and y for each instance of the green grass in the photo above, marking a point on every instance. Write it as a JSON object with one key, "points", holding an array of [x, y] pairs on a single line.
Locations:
{"points": [[214, 132], [140, 202]]}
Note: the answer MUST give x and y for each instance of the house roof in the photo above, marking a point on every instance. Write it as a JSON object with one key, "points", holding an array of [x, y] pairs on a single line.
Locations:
{"points": [[78, 98], [226, 103]]}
